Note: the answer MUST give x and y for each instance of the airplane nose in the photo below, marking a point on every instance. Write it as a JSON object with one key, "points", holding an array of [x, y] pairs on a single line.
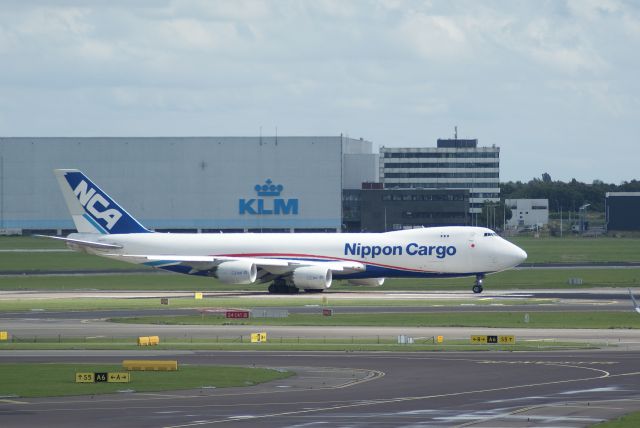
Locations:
{"points": [[522, 255], [514, 255]]}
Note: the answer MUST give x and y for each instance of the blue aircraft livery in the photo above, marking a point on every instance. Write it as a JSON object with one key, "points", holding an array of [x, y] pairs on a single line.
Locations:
{"points": [[100, 210], [411, 249]]}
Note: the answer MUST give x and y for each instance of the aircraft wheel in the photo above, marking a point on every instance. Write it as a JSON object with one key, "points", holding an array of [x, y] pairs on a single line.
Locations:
{"points": [[279, 287], [477, 289]]}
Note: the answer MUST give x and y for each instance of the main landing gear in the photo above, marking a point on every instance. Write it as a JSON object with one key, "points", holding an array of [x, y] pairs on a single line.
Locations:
{"points": [[280, 286], [477, 288]]}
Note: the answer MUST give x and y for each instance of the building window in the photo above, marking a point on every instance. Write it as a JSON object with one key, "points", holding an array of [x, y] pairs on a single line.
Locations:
{"points": [[443, 155]]}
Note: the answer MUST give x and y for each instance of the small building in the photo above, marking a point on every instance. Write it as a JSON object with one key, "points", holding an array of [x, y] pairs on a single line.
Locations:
{"points": [[528, 213], [373, 209], [622, 210]]}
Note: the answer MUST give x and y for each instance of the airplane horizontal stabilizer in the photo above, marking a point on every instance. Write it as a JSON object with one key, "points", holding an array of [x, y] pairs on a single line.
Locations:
{"points": [[83, 243]]}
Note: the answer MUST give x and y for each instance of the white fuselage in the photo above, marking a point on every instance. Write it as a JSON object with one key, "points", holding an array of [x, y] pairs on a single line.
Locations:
{"points": [[424, 252]]}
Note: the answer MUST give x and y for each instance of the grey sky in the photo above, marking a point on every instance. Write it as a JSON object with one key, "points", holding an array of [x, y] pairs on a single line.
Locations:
{"points": [[553, 83]]}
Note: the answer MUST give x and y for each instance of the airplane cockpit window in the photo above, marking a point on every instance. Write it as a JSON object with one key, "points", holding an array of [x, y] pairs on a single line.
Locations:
{"points": [[490, 234]]}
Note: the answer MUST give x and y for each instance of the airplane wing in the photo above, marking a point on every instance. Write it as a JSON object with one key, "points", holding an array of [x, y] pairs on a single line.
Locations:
{"points": [[272, 266]]}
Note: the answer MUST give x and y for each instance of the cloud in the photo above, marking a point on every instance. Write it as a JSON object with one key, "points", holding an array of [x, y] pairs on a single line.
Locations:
{"points": [[398, 72], [565, 48], [433, 37]]}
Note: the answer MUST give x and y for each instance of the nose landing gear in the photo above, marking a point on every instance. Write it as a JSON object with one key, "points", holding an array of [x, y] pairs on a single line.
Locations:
{"points": [[477, 288]]}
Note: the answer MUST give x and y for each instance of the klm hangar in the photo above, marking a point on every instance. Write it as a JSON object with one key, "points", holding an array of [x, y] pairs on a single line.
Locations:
{"points": [[195, 184]]}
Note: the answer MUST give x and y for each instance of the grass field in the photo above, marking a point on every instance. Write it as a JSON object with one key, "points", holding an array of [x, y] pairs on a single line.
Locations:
{"points": [[60, 262], [513, 279], [29, 243], [574, 249], [631, 420], [601, 320], [274, 343], [48, 380]]}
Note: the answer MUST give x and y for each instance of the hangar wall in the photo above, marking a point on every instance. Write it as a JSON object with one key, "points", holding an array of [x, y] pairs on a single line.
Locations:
{"points": [[205, 183], [622, 210]]}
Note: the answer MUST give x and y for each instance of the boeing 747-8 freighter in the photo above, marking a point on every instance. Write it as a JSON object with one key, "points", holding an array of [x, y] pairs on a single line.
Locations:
{"points": [[290, 261]]}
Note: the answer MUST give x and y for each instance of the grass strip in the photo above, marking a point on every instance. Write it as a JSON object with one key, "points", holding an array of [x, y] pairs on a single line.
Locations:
{"points": [[630, 420], [513, 279], [48, 380], [274, 343], [29, 243], [578, 249], [34, 262], [566, 320]]}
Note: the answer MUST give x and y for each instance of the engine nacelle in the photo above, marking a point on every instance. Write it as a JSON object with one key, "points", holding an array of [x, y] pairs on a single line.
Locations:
{"points": [[312, 277], [367, 282], [237, 272]]}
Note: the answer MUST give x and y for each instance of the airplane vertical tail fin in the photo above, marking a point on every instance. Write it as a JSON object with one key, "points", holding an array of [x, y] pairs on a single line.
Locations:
{"points": [[92, 210]]}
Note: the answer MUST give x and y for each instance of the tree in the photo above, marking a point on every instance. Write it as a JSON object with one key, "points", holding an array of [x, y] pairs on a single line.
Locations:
{"points": [[568, 196]]}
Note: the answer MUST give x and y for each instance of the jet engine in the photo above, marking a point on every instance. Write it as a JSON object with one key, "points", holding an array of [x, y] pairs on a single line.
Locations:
{"points": [[367, 282], [312, 278], [237, 272]]}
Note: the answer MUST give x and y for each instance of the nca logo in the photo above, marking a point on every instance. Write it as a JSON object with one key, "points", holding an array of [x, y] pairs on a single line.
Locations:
{"points": [[276, 206], [89, 199]]}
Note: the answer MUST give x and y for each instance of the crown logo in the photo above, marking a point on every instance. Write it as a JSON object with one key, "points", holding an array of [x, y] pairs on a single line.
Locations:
{"points": [[268, 188]]}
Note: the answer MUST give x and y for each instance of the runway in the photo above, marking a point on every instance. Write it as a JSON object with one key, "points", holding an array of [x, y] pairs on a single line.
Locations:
{"points": [[355, 389], [571, 389], [48, 324]]}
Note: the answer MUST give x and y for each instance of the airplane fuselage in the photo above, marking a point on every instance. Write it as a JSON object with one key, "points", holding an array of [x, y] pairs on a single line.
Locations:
{"points": [[424, 252]]}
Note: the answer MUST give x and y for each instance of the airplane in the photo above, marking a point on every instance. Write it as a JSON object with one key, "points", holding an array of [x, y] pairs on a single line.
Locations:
{"points": [[289, 261], [635, 303]]}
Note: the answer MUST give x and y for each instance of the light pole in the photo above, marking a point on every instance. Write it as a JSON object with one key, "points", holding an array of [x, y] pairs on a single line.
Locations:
{"points": [[583, 216]]}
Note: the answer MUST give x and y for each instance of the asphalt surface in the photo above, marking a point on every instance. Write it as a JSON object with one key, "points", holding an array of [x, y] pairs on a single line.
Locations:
{"points": [[355, 389], [35, 324], [592, 300], [569, 389]]}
